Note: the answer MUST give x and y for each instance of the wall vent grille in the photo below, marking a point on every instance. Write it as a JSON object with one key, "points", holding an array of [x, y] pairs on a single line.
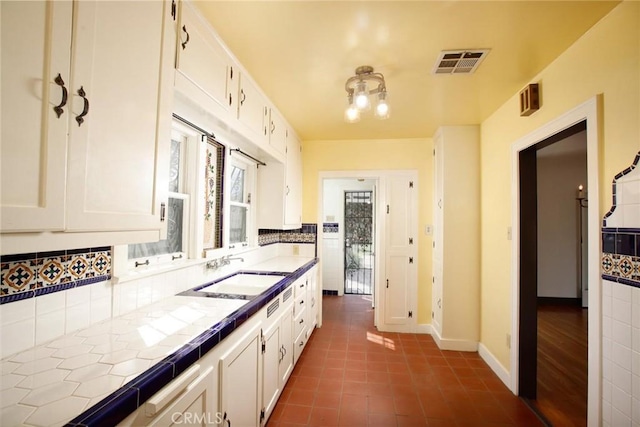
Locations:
{"points": [[459, 61]]}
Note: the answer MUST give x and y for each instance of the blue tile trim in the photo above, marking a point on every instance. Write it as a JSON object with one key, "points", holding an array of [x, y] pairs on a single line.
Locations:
{"points": [[5, 299], [622, 280], [124, 401], [635, 162]]}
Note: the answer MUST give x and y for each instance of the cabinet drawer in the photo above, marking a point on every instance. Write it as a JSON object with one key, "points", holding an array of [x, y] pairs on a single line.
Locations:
{"points": [[299, 322], [298, 345], [299, 305], [299, 288]]}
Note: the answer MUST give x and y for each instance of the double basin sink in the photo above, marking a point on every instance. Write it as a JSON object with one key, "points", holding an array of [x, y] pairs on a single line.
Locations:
{"points": [[241, 285]]}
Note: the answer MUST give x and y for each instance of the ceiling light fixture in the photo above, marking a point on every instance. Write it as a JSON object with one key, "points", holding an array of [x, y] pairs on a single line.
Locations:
{"points": [[358, 93]]}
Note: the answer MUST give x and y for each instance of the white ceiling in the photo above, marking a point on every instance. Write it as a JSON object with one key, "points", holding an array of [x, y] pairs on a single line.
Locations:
{"points": [[301, 53]]}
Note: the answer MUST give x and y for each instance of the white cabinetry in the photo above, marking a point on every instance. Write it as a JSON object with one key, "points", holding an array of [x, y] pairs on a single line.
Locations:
{"points": [[278, 181], [456, 253], [277, 132], [253, 110], [205, 71], [190, 399], [277, 357], [240, 380], [116, 120], [313, 297], [33, 137]]}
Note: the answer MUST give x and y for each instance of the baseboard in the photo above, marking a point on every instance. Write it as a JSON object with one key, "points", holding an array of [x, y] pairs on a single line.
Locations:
{"points": [[424, 328], [454, 345], [495, 365]]}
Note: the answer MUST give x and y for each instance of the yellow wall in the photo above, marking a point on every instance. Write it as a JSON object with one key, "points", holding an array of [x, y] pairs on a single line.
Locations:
{"points": [[350, 155], [605, 60]]}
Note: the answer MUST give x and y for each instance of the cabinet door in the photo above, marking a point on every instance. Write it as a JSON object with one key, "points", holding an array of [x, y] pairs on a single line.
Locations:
{"points": [[203, 61], [33, 139], [194, 406], [293, 182], [118, 138], [277, 132], [253, 110], [400, 266], [286, 340], [240, 381], [271, 384], [312, 297]]}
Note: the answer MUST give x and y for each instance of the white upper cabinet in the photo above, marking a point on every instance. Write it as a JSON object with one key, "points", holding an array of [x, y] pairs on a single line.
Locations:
{"points": [[280, 189], [105, 68], [253, 110], [277, 132], [120, 109], [33, 136], [203, 63]]}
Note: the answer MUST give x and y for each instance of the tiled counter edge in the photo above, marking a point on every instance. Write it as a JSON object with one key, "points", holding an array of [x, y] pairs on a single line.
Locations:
{"points": [[119, 404]]}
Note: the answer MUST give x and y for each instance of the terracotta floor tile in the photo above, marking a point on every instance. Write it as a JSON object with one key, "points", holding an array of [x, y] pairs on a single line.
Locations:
{"points": [[377, 377], [295, 414], [357, 388], [381, 405], [352, 375], [325, 417], [302, 397], [410, 421], [357, 376], [408, 406], [382, 420]]}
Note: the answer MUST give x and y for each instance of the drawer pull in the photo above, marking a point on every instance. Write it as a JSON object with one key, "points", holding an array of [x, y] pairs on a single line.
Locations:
{"points": [[85, 108], [301, 321], [301, 301], [184, 43], [158, 401], [58, 108]]}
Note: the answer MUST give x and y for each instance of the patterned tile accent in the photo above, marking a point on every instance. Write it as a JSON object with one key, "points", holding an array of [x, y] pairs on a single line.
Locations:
{"points": [[30, 275], [306, 234], [330, 227]]}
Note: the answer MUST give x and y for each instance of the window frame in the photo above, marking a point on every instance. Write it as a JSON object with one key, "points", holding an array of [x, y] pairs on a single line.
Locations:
{"points": [[249, 191]]}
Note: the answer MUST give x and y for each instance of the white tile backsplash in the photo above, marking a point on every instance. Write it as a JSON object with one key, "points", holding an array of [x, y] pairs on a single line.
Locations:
{"points": [[50, 325], [621, 362]]}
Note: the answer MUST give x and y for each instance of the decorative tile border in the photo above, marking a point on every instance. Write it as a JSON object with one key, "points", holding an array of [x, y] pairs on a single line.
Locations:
{"points": [[330, 227], [614, 203], [39, 273], [306, 234], [621, 246]]}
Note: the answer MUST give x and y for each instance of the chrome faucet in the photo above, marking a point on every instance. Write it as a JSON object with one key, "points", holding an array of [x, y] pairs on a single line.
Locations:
{"points": [[213, 264], [226, 260]]}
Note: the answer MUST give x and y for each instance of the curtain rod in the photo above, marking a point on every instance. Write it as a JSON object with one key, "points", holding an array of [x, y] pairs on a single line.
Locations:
{"points": [[196, 127], [259, 162]]}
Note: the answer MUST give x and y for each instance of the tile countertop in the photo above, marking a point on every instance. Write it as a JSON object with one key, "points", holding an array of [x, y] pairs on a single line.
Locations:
{"points": [[104, 372]]}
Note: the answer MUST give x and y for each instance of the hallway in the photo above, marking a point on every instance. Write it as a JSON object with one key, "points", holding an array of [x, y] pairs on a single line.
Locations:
{"points": [[352, 375]]}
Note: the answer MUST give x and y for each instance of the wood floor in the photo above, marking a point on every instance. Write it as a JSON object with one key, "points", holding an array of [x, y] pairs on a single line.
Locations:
{"points": [[562, 365]]}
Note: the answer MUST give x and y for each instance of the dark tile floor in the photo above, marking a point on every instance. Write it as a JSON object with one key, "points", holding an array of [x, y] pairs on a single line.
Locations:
{"points": [[352, 375]]}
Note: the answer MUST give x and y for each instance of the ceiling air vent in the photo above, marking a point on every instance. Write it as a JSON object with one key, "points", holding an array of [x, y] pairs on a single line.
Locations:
{"points": [[459, 61]]}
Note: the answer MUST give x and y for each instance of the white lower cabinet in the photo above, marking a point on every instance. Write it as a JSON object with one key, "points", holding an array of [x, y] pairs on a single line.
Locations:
{"points": [[277, 358], [190, 399], [240, 380]]}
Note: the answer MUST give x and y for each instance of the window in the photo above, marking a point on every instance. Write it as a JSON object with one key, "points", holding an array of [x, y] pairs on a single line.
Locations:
{"points": [[176, 242], [241, 178]]}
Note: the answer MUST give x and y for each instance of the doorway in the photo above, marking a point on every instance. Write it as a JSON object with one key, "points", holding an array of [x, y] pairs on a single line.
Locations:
{"points": [[358, 242], [553, 358]]}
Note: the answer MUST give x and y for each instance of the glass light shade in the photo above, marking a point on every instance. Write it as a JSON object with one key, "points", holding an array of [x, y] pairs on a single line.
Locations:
{"points": [[352, 114], [382, 108], [361, 96]]}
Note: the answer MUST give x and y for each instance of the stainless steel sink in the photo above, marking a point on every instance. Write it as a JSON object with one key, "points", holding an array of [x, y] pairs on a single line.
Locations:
{"points": [[243, 284]]}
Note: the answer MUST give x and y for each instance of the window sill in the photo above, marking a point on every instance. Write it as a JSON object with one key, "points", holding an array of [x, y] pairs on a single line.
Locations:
{"points": [[153, 270]]}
